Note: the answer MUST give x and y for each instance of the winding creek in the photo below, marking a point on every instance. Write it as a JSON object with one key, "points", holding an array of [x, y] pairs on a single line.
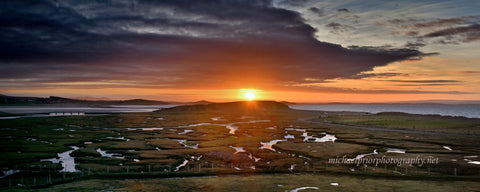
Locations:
{"points": [[67, 161]]}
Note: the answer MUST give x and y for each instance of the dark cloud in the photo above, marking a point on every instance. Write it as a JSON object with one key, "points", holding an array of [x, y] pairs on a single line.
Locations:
{"points": [[381, 90], [338, 28], [421, 24], [468, 72], [294, 3], [415, 45], [448, 31], [426, 84], [425, 81], [376, 75], [317, 11], [343, 10], [456, 30], [171, 43], [396, 21], [457, 34], [446, 22], [390, 51]]}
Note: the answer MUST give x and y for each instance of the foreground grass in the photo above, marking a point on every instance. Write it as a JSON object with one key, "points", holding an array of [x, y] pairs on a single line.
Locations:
{"points": [[23, 142], [280, 182]]}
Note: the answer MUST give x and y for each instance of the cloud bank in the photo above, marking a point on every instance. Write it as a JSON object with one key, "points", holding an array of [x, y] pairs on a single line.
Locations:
{"points": [[172, 43]]}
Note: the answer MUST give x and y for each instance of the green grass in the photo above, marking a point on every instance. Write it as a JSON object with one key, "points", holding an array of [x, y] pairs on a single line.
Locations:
{"points": [[52, 135], [324, 150], [4, 114], [280, 182]]}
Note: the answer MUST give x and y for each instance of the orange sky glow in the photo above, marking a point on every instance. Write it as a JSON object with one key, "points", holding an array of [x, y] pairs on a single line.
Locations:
{"points": [[314, 51]]}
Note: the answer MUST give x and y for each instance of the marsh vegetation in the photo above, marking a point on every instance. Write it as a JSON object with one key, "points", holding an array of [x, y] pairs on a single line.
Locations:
{"points": [[290, 148]]}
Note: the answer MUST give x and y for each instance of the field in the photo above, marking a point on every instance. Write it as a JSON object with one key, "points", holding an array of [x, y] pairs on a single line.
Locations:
{"points": [[221, 150], [271, 182]]}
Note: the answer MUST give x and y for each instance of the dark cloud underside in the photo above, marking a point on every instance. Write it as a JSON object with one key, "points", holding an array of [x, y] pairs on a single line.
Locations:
{"points": [[454, 30], [172, 44], [464, 33]]}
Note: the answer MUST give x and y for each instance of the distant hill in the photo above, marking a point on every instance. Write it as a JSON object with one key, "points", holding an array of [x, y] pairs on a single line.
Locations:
{"points": [[137, 102], [93, 98], [288, 103], [11, 100], [244, 106], [201, 102]]}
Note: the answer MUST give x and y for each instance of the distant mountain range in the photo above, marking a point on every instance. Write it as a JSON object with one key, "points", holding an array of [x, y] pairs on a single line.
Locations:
{"points": [[12, 100]]}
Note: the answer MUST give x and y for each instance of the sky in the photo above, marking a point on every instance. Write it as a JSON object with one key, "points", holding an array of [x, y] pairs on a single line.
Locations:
{"points": [[217, 50]]}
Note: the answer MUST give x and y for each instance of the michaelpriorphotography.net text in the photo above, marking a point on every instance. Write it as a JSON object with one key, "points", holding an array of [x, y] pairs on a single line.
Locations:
{"points": [[383, 160]]}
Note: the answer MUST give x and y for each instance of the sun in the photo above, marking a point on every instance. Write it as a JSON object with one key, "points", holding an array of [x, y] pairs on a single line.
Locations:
{"points": [[250, 95]]}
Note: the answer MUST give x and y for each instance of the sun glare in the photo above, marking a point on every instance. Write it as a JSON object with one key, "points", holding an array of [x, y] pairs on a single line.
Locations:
{"points": [[250, 95]]}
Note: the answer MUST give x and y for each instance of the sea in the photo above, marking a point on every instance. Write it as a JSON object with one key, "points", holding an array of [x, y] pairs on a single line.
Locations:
{"points": [[45, 110], [463, 110]]}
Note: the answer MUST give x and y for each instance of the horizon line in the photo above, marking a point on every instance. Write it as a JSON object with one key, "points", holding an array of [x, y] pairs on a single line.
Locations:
{"points": [[433, 101]]}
